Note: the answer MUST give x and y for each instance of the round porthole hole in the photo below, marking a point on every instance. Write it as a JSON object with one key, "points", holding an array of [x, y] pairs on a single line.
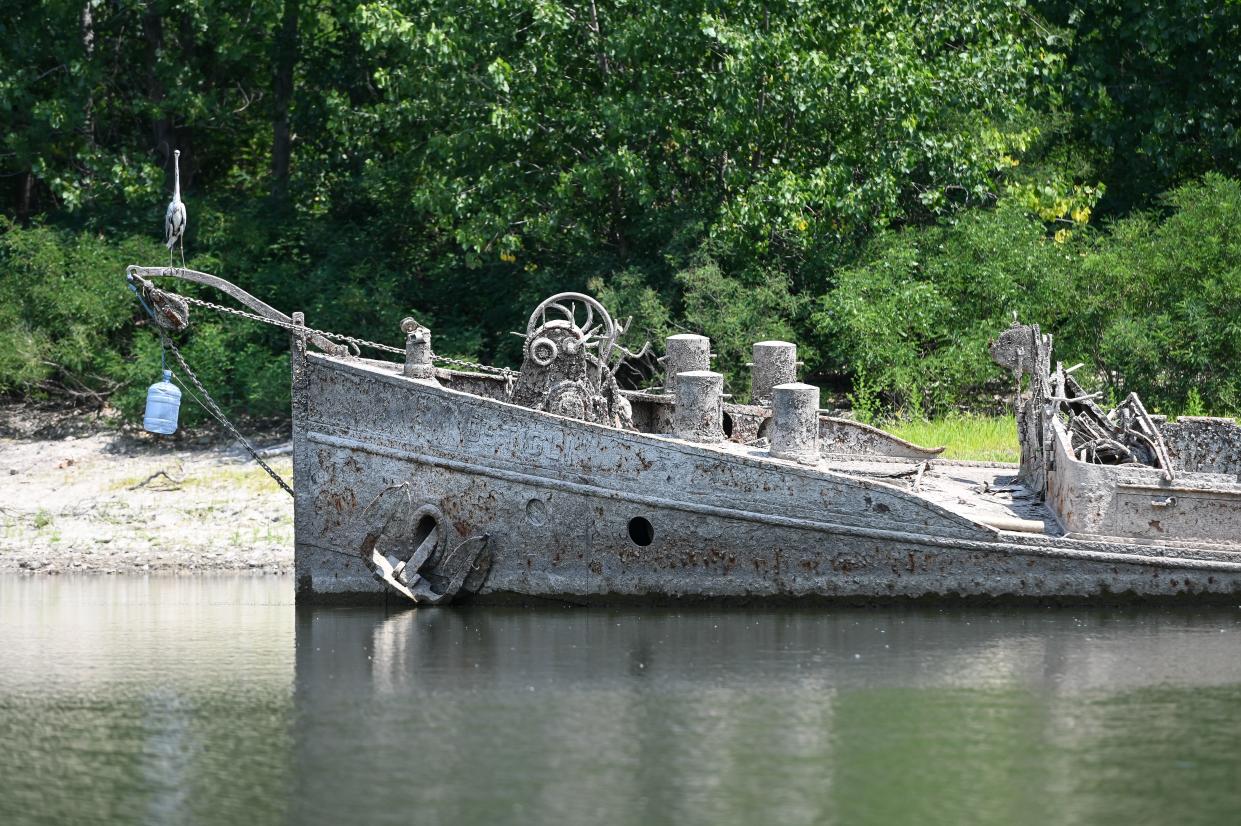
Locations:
{"points": [[641, 531]]}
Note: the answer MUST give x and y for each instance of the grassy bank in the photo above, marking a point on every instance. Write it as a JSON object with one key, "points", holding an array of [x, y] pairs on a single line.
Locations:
{"points": [[978, 438]]}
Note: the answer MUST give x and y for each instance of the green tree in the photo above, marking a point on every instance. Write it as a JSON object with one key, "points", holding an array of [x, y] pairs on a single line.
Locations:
{"points": [[1154, 92], [912, 319], [537, 145], [1162, 301], [1150, 305], [745, 169]]}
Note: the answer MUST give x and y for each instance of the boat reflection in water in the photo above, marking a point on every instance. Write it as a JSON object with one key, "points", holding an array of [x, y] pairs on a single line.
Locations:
{"points": [[559, 715], [207, 700]]}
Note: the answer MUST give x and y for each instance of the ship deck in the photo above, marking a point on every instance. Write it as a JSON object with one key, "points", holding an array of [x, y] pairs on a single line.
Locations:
{"points": [[985, 492]]}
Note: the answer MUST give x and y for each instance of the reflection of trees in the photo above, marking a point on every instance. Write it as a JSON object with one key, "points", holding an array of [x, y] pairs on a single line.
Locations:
{"points": [[564, 715], [162, 700]]}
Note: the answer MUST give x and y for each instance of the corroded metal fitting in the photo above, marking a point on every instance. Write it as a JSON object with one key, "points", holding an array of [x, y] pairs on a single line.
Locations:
{"points": [[684, 352], [775, 362], [417, 350], [699, 415], [794, 429]]}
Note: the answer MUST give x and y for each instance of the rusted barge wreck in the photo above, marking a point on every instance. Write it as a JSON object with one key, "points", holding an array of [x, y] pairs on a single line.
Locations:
{"points": [[416, 481]]}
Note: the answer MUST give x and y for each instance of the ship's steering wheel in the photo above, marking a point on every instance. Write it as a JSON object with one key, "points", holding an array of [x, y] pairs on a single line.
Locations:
{"points": [[564, 310]]}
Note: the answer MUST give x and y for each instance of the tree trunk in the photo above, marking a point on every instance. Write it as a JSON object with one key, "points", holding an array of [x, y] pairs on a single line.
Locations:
{"points": [[285, 61], [24, 198], [88, 46], [161, 127], [601, 56]]}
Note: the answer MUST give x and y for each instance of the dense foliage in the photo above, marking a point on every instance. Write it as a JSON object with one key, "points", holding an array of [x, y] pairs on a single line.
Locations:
{"points": [[1153, 303], [882, 182], [1154, 89]]}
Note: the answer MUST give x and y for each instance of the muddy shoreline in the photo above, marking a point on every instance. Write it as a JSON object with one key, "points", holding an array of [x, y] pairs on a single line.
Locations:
{"points": [[79, 493]]}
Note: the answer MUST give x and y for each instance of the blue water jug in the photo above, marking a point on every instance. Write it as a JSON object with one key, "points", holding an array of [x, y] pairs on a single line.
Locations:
{"points": [[163, 406]]}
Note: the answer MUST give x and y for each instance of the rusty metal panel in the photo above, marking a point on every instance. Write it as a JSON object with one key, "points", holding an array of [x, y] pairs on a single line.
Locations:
{"points": [[1204, 444], [1161, 513]]}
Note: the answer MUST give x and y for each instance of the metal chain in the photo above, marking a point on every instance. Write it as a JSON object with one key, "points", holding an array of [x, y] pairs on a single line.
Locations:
{"points": [[210, 405], [218, 414], [288, 325], [473, 365], [361, 342]]}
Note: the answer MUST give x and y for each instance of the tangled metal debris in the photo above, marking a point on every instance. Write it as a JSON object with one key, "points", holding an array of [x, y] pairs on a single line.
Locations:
{"points": [[1126, 435]]}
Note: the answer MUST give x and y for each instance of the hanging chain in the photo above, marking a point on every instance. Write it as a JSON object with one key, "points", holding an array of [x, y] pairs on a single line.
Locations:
{"points": [[361, 342], [473, 365], [210, 405], [214, 409], [288, 325]]}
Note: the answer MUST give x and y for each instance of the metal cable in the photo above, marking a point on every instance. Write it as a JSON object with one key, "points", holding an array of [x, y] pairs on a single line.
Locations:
{"points": [[214, 409], [361, 342]]}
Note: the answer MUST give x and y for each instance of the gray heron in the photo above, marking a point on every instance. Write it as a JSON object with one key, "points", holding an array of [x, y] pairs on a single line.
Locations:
{"points": [[174, 218]]}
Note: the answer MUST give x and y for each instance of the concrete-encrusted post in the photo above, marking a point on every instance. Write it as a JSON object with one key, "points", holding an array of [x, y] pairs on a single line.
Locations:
{"points": [[794, 429], [684, 351], [417, 350], [775, 362], [699, 413]]}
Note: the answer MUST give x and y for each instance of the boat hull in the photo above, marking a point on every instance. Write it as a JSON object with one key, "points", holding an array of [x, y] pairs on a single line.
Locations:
{"points": [[583, 512]]}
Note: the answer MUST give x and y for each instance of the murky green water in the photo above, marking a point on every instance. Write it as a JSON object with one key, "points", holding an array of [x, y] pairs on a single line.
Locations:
{"points": [[214, 700]]}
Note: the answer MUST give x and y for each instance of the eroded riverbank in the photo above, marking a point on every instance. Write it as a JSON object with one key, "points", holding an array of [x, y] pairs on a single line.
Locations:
{"points": [[76, 496]]}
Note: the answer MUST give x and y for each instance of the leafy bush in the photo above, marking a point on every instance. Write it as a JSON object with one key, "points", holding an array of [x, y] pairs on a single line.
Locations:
{"points": [[911, 322], [1162, 301], [1153, 304], [70, 329], [64, 311]]}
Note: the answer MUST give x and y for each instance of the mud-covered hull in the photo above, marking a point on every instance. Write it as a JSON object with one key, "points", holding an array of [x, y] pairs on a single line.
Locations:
{"points": [[579, 511]]}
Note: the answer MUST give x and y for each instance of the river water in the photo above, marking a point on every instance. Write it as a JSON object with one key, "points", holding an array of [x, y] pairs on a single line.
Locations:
{"points": [[214, 700]]}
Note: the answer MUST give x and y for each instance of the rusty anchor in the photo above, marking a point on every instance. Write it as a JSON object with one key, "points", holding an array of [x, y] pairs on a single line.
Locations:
{"points": [[409, 552]]}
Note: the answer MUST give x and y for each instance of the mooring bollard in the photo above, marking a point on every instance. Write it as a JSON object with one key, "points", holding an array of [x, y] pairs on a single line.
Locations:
{"points": [[794, 429], [775, 362], [682, 352], [417, 351], [699, 413]]}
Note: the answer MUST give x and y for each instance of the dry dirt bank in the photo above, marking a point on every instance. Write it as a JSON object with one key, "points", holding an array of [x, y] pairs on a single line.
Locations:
{"points": [[77, 495]]}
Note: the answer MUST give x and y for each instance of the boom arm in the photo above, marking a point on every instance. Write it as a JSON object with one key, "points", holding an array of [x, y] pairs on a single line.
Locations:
{"points": [[231, 289], [220, 284]]}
